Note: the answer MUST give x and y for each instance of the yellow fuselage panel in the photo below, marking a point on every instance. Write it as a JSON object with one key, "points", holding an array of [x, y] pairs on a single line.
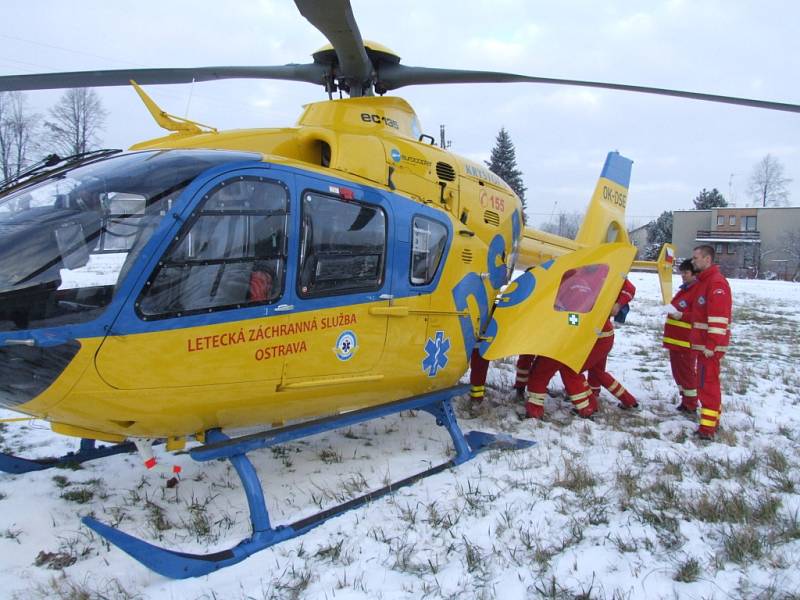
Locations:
{"points": [[258, 371], [374, 139], [251, 350]]}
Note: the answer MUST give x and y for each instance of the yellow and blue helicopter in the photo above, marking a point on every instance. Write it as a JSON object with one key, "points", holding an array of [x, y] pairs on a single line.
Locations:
{"points": [[302, 278]]}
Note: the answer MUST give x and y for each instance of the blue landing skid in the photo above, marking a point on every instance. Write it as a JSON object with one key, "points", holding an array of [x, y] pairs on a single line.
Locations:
{"points": [[15, 464], [180, 565]]}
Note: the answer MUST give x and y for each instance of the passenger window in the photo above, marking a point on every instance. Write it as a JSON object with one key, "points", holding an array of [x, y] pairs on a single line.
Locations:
{"points": [[580, 287], [427, 246], [343, 247], [231, 254]]}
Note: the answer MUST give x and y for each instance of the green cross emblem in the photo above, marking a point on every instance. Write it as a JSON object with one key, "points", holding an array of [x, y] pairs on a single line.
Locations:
{"points": [[573, 319]]}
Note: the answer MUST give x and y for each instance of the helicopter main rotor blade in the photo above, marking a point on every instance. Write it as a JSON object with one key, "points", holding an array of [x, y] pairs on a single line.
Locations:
{"points": [[392, 77], [309, 73], [334, 18]]}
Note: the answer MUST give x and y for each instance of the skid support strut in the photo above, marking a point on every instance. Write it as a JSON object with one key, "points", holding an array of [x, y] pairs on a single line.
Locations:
{"points": [[180, 565], [88, 451]]}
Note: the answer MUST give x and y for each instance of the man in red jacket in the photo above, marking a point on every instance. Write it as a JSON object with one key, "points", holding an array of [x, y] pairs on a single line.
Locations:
{"points": [[710, 336], [677, 330]]}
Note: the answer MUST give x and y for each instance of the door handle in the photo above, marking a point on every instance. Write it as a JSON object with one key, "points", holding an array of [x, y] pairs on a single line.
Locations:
{"points": [[283, 307]]}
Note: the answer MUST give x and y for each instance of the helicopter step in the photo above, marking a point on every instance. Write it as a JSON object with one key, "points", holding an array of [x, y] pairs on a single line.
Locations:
{"points": [[180, 565], [88, 451]]}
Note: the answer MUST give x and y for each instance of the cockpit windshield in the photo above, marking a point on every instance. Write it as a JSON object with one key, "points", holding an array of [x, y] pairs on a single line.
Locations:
{"points": [[67, 241]]}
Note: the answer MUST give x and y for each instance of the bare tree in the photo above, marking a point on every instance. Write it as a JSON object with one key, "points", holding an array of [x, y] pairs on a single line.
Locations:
{"points": [[564, 224], [5, 136], [78, 117], [17, 133], [791, 245], [767, 183]]}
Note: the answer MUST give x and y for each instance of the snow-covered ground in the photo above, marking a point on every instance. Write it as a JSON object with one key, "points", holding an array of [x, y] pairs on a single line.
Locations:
{"points": [[626, 506]]}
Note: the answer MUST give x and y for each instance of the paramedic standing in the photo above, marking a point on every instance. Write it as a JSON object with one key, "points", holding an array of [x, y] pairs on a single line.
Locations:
{"points": [[710, 337], [677, 330]]}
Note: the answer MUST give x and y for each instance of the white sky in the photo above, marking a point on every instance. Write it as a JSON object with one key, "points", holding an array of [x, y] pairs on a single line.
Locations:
{"points": [[748, 49]]}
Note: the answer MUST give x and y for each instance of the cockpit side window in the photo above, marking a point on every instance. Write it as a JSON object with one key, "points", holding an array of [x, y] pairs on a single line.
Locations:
{"points": [[68, 240], [231, 254], [343, 249]]}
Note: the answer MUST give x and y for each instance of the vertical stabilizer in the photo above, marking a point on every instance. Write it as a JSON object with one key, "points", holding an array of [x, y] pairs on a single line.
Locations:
{"points": [[605, 218]]}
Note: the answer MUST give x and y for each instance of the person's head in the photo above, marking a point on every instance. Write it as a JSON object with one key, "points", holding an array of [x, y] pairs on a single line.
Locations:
{"points": [[687, 271], [703, 257]]}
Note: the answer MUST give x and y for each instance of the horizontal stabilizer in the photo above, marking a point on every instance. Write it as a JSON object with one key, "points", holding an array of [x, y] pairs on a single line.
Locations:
{"points": [[664, 267]]}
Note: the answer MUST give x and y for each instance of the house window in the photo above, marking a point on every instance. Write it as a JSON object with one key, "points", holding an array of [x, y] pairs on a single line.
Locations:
{"points": [[720, 220], [718, 248], [731, 248], [732, 220], [750, 223]]}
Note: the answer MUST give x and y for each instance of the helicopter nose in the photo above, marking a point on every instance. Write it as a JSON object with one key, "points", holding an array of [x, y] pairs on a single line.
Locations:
{"points": [[28, 370]]}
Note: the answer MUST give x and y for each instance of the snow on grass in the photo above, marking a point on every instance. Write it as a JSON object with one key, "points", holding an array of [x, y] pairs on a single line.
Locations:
{"points": [[627, 505]]}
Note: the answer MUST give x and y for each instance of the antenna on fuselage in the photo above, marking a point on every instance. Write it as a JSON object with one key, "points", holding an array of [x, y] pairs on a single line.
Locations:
{"points": [[444, 143]]}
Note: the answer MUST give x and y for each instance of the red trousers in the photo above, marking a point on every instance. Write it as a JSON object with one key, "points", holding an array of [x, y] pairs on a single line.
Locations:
{"points": [[524, 364], [575, 384], [595, 365], [708, 391], [684, 372], [479, 368]]}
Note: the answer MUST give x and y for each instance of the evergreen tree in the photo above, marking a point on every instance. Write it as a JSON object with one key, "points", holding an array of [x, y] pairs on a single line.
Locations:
{"points": [[503, 163], [712, 199], [659, 232]]}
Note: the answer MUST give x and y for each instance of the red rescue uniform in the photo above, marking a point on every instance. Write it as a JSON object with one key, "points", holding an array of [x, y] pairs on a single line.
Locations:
{"points": [[677, 334], [479, 369], [576, 386], [524, 365], [711, 321], [595, 364]]}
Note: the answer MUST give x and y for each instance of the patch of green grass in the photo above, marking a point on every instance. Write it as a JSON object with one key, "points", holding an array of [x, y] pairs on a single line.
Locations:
{"points": [[81, 496], [729, 507], [575, 477], [688, 571], [743, 544], [672, 469], [60, 481], [330, 456]]}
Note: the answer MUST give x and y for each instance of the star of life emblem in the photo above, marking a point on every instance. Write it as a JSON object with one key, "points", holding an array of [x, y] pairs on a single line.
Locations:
{"points": [[346, 345], [436, 358]]}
